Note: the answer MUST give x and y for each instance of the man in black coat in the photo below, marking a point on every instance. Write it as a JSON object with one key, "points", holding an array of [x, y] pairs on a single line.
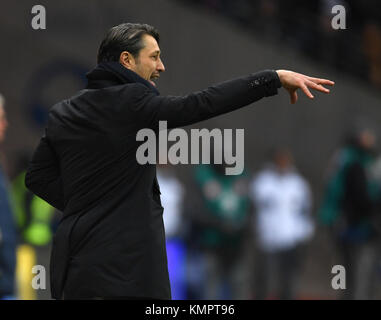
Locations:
{"points": [[110, 242]]}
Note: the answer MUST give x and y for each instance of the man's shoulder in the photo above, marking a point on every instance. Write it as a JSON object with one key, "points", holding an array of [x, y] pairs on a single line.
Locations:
{"points": [[126, 90], [107, 95]]}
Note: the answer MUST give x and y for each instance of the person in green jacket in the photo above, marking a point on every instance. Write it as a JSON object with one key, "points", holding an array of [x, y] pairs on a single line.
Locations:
{"points": [[349, 208]]}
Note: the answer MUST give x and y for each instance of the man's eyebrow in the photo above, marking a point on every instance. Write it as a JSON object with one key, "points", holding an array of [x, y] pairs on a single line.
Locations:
{"points": [[156, 51]]}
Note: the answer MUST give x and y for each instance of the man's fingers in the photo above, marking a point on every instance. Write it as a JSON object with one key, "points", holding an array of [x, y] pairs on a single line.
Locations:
{"points": [[318, 87], [306, 91], [293, 96], [321, 81], [293, 81]]}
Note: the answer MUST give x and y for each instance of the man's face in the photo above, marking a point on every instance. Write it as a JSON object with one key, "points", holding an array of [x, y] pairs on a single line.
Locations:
{"points": [[283, 160], [367, 139], [148, 64], [3, 124]]}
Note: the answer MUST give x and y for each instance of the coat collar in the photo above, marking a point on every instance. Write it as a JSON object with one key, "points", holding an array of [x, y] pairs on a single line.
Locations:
{"points": [[107, 74]]}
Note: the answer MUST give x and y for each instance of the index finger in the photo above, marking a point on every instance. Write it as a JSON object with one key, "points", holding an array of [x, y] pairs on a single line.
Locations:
{"points": [[321, 81], [316, 86]]}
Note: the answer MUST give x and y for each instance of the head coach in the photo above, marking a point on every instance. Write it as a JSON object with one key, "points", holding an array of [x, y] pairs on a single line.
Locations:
{"points": [[110, 243]]}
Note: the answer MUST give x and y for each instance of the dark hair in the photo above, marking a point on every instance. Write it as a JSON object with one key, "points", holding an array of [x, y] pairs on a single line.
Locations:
{"points": [[125, 37]]}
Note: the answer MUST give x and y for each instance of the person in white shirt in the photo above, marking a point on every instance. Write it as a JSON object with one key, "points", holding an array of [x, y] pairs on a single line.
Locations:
{"points": [[282, 201], [172, 199]]}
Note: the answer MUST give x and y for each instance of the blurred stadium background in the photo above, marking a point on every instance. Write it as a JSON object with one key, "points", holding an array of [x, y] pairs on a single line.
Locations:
{"points": [[204, 42]]}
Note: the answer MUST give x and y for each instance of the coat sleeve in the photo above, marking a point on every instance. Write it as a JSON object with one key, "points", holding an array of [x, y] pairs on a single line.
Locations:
{"points": [[43, 175], [202, 105]]}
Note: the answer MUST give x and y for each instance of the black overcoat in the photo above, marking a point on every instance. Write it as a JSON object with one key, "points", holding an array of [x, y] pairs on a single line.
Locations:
{"points": [[110, 242]]}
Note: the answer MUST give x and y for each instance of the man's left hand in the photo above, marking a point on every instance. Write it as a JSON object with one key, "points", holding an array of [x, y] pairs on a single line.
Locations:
{"points": [[292, 81]]}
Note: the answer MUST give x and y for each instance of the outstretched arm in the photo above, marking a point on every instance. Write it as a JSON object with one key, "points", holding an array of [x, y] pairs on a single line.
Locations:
{"points": [[220, 98]]}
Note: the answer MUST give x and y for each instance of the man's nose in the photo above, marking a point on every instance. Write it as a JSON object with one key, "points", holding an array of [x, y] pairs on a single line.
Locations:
{"points": [[160, 66]]}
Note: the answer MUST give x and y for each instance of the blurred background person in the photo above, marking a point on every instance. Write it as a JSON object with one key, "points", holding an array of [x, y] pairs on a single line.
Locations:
{"points": [[8, 237], [172, 199], [349, 208], [283, 225], [36, 221], [217, 239]]}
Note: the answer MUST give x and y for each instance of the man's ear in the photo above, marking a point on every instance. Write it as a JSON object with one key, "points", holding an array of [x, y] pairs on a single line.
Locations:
{"points": [[126, 59]]}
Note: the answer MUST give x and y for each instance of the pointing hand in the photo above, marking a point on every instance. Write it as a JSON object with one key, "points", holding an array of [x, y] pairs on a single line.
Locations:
{"points": [[292, 81]]}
